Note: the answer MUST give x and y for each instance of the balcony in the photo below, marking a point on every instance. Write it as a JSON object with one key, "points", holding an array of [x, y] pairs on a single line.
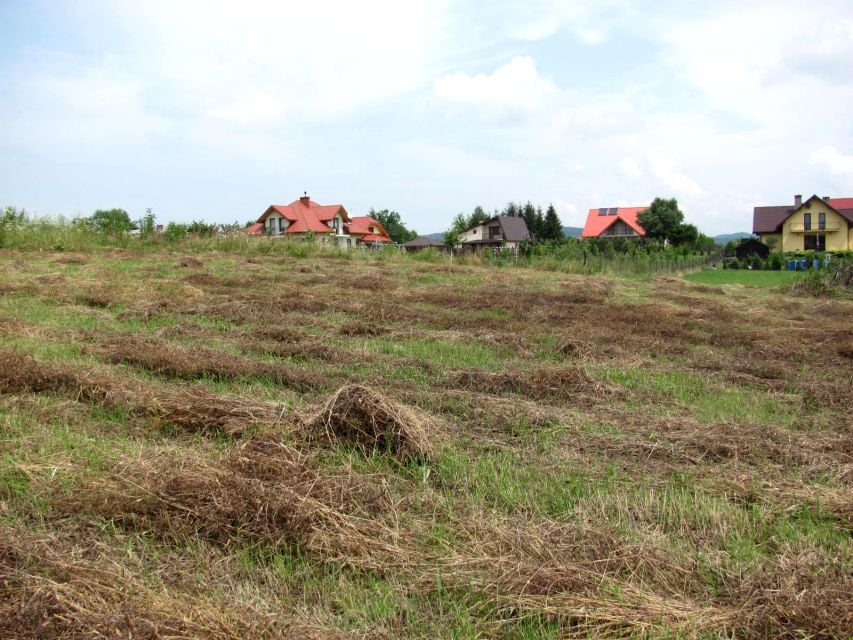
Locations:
{"points": [[829, 227]]}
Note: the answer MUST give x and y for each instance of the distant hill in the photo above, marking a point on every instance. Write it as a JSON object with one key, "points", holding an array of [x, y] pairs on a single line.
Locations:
{"points": [[435, 236], [573, 232], [727, 237]]}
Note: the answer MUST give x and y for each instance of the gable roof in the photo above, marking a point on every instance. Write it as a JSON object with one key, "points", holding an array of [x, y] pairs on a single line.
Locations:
{"points": [[360, 226], [770, 219], [306, 215], [513, 229], [600, 219]]}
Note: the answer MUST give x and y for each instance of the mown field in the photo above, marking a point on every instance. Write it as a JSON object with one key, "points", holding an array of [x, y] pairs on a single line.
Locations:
{"points": [[229, 446]]}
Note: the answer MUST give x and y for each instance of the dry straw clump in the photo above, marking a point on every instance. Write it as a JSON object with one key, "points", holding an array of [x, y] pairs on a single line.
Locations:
{"points": [[263, 491], [542, 383], [361, 416]]}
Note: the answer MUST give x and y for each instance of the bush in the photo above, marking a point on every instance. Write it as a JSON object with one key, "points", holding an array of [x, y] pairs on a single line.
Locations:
{"points": [[775, 262]]}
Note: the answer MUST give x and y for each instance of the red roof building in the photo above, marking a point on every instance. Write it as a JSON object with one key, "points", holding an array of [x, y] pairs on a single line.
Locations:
{"points": [[613, 222], [367, 230], [301, 216]]}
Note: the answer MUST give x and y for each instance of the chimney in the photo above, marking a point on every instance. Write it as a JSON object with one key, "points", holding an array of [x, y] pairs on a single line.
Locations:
{"points": [[798, 200], [304, 199], [826, 198]]}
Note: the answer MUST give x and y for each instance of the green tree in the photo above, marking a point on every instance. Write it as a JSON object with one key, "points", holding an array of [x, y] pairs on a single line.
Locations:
{"points": [[146, 223], [528, 212], [111, 220], [705, 244], [552, 228], [393, 225], [459, 224], [451, 238], [478, 216], [664, 221]]}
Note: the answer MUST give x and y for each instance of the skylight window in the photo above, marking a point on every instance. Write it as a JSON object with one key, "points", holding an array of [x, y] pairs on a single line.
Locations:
{"points": [[613, 211], [602, 211]]}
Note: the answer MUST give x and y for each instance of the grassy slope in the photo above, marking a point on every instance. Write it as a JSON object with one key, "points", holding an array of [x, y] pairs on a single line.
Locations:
{"points": [[606, 457]]}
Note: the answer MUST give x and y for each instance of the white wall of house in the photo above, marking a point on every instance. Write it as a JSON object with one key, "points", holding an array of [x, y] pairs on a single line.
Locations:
{"points": [[276, 225], [482, 232], [337, 223]]}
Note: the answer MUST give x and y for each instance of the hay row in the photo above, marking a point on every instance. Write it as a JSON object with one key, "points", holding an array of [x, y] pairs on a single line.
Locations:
{"points": [[356, 415]]}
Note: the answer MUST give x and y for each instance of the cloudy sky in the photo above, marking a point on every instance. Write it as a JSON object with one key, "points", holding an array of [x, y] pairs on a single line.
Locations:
{"points": [[206, 110]]}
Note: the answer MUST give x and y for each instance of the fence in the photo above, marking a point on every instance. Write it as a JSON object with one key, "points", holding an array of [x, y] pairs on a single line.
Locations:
{"points": [[625, 264]]}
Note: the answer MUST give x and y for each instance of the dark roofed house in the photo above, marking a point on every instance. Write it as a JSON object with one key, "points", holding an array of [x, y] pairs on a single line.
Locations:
{"points": [[423, 242], [820, 224], [499, 231], [752, 247]]}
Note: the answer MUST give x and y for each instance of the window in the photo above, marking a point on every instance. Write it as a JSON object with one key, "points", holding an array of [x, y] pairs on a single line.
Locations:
{"points": [[821, 221], [815, 242], [602, 211], [807, 221], [619, 228], [494, 232]]}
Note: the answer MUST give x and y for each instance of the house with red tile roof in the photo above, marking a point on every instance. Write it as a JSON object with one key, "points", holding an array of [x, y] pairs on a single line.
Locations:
{"points": [[613, 222], [304, 216], [367, 230], [820, 224]]}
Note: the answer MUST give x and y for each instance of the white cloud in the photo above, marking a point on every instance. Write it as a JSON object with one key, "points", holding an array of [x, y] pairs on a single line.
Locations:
{"points": [[833, 160], [631, 168], [664, 169], [590, 21], [516, 86], [569, 213], [259, 108]]}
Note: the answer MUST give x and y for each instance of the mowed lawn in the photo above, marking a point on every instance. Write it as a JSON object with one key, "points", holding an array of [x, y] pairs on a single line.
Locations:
{"points": [[753, 278], [371, 446]]}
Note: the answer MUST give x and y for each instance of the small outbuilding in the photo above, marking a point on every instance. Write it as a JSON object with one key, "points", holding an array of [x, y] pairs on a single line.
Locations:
{"points": [[424, 242], [752, 247]]}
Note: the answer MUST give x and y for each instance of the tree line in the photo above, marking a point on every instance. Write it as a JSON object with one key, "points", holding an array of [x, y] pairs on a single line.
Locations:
{"points": [[543, 226]]}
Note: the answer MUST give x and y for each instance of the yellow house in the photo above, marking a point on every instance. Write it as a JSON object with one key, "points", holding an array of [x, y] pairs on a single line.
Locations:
{"points": [[820, 224]]}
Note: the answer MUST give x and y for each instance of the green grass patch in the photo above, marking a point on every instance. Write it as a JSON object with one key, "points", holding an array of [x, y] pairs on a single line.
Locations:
{"points": [[760, 279]]}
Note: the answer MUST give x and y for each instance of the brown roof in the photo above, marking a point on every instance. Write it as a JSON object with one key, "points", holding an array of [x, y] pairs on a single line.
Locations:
{"points": [[514, 229], [769, 219]]}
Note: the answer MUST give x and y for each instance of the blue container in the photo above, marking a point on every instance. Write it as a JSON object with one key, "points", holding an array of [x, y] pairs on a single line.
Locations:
{"points": [[792, 265], [816, 263], [801, 265]]}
